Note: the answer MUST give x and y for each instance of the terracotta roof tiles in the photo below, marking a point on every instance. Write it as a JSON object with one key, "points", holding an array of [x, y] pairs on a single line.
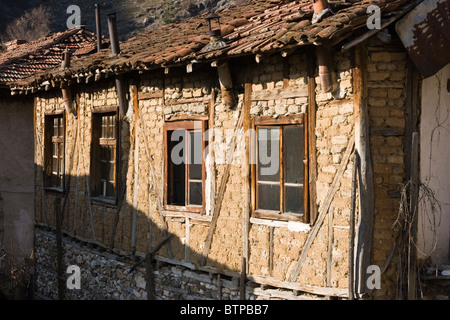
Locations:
{"points": [[256, 26]]}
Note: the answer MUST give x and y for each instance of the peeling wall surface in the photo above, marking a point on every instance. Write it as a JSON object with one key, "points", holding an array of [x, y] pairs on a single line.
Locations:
{"points": [[17, 175], [434, 222], [423, 32]]}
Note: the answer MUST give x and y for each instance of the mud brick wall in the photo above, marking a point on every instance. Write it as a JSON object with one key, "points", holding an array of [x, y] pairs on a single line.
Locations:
{"points": [[386, 83], [279, 87]]}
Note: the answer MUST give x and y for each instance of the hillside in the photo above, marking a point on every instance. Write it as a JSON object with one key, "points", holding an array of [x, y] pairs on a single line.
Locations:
{"points": [[133, 16]]}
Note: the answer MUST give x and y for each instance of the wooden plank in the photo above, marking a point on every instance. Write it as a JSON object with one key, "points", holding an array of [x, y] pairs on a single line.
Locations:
{"points": [[59, 253], [366, 195], [323, 209], [187, 249], [333, 292], [311, 130], [150, 95], [246, 210], [242, 279], [150, 277], [414, 196], [135, 187], [351, 234], [411, 107], [186, 101], [330, 244], [271, 245], [281, 120], [266, 95]]}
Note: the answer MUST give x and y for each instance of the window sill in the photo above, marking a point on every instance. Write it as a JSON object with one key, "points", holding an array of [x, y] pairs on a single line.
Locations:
{"points": [[101, 200], [191, 209], [276, 215], [195, 216], [294, 226]]}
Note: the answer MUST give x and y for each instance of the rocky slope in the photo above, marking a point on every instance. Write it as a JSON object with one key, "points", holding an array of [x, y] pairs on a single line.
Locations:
{"points": [[133, 16]]}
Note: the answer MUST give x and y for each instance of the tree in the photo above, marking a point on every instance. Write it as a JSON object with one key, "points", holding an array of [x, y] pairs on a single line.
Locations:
{"points": [[30, 26]]}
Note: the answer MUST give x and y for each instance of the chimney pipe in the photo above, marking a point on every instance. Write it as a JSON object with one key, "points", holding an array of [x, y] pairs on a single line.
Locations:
{"points": [[325, 62], [113, 34], [320, 5], [321, 10], [66, 59], [121, 96], [98, 27]]}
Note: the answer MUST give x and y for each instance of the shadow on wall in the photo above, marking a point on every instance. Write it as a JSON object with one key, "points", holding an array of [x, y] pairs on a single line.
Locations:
{"points": [[122, 252]]}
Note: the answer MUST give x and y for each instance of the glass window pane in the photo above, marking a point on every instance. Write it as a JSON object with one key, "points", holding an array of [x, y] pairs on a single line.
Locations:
{"points": [[103, 170], [55, 126], [195, 193], [195, 155], [111, 171], [109, 190], [293, 154], [269, 154], [61, 127], [103, 135], [269, 197], [177, 193], [293, 199]]}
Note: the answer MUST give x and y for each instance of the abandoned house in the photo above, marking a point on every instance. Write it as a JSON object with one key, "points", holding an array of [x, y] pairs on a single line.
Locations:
{"points": [[272, 150]]}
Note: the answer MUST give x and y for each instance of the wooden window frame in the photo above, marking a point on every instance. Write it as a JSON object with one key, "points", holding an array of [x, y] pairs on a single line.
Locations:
{"points": [[51, 140], [282, 121], [96, 144], [190, 124]]}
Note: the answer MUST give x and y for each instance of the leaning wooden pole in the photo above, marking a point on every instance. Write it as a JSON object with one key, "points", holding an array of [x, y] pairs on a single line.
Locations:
{"points": [[366, 197], [414, 195], [351, 234]]}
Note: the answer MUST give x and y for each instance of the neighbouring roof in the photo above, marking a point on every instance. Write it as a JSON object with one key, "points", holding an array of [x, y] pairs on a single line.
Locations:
{"points": [[255, 27], [25, 59]]}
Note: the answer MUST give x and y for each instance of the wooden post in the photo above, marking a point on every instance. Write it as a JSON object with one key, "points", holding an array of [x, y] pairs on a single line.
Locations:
{"points": [[362, 146], [135, 189], [312, 168], [351, 232], [414, 195], [149, 277], [330, 244], [59, 253], [242, 280], [246, 210]]}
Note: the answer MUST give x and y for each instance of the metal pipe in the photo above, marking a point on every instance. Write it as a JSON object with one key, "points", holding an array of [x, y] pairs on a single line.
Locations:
{"points": [[121, 95], [98, 27], [113, 34], [324, 59]]}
